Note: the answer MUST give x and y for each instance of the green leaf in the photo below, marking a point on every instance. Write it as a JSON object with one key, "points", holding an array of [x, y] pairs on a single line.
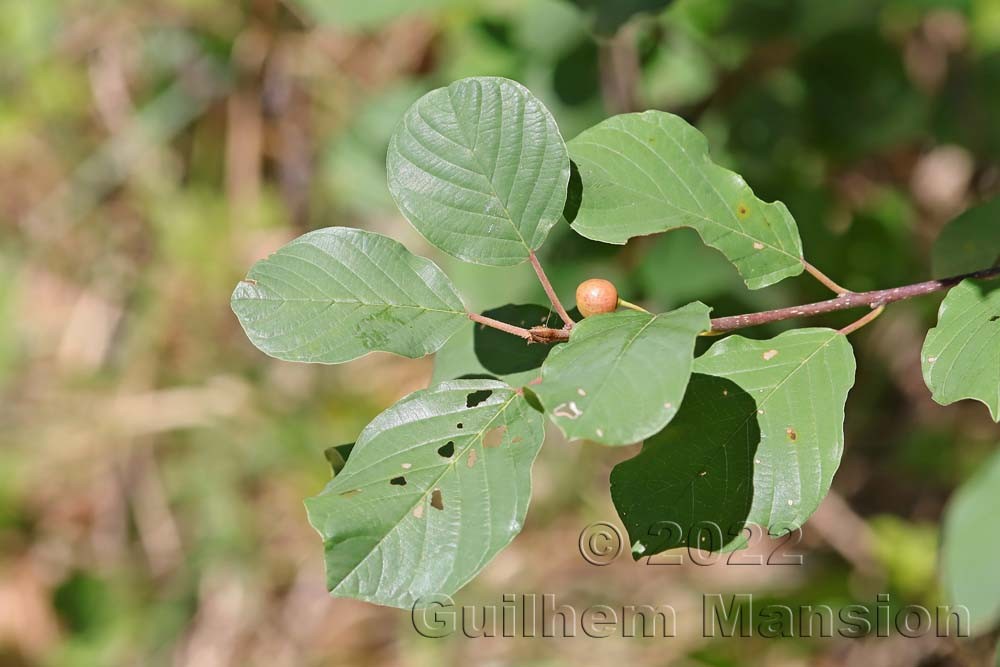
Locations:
{"points": [[650, 172], [800, 381], [335, 294], [691, 483], [961, 355], [480, 169], [434, 488], [970, 540], [969, 242], [621, 376]]}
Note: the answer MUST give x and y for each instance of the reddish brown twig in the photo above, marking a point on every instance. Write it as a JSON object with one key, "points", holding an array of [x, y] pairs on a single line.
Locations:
{"points": [[873, 299], [549, 291]]}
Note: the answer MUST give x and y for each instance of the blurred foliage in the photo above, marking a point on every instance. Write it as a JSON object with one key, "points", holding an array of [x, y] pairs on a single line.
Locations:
{"points": [[154, 463]]}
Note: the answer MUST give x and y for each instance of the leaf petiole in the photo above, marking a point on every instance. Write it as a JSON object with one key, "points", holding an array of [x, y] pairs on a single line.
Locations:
{"points": [[628, 304]]}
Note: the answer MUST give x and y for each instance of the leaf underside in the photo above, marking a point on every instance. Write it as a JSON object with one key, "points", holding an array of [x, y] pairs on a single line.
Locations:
{"points": [[650, 172], [968, 547], [621, 377], [961, 355], [480, 169], [335, 294], [798, 383], [434, 488]]}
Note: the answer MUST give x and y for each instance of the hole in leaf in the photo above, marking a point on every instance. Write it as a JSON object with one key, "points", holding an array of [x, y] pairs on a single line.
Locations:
{"points": [[995, 318], [477, 397], [398, 481], [437, 502], [447, 450], [459, 425]]}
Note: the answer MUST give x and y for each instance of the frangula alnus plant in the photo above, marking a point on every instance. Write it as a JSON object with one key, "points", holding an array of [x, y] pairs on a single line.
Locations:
{"points": [[750, 432]]}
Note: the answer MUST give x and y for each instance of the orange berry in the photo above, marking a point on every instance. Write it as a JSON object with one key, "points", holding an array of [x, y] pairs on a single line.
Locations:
{"points": [[596, 296]]}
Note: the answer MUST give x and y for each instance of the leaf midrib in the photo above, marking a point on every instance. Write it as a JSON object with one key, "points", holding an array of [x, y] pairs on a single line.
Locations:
{"points": [[396, 524], [329, 301], [758, 406]]}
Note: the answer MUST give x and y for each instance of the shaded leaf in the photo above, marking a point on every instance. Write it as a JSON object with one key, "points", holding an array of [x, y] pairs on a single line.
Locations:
{"points": [[692, 483], [433, 490], [621, 376], [503, 354], [799, 381], [479, 351], [650, 172], [969, 242], [969, 545], [480, 169], [337, 455], [961, 355], [335, 294]]}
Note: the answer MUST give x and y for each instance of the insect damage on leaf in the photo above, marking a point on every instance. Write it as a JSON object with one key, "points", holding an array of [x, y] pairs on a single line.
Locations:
{"points": [[437, 500], [476, 397]]}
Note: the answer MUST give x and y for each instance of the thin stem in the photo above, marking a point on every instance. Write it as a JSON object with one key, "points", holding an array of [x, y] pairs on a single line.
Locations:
{"points": [[827, 281], [873, 300], [551, 293], [628, 304], [862, 321], [847, 301], [520, 332]]}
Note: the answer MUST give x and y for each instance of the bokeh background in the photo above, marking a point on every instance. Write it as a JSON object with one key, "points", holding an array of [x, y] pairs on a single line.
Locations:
{"points": [[153, 463]]}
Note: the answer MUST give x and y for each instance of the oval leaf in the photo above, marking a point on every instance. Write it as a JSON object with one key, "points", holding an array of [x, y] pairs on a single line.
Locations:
{"points": [[650, 172], [434, 488], [961, 355], [799, 381], [335, 294], [480, 169], [690, 484], [969, 242], [968, 547], [621, 376]]}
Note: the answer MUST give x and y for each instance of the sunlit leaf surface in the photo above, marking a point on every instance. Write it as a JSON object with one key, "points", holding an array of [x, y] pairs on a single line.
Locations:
{"points": [[480, 169], [650, 172], [434, 488], [335, 294]]}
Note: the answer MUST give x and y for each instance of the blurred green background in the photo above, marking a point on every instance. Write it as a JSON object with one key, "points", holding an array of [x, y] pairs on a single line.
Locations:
{"points": [[153, 463]]}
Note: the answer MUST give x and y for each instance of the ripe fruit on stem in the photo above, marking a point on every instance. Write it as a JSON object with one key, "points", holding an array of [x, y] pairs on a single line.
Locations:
{"points": [[596, 296]]}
